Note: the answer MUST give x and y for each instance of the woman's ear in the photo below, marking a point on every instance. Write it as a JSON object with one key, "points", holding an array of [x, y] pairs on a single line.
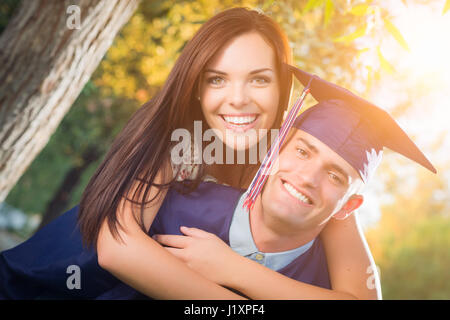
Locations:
{"points": [[198, 92], [353, 203], [198, 87]]}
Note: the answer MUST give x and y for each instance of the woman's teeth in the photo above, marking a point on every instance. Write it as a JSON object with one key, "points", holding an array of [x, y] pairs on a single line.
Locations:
{"points": [[242, 121], [296, 194]]}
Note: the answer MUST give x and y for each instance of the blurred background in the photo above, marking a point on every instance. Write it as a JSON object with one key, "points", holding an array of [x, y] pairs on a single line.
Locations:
{"points": [[394, 53]]}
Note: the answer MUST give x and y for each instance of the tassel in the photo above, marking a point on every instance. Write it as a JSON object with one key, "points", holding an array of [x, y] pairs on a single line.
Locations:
{"points": [[264, 170]]}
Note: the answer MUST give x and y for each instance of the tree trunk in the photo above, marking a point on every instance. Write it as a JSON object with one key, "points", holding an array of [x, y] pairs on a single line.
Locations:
{"points": [[44, 64], [61, 198]]}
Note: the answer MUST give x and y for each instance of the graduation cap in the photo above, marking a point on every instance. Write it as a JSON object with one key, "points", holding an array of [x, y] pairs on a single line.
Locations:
{"points": [[354, 128]]}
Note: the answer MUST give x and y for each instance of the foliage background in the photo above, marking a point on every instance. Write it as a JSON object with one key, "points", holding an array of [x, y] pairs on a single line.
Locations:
{"points": [[340, 41]]}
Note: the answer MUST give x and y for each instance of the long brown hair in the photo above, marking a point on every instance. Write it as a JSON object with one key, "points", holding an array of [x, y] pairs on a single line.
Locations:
{"points": [[142, 148]]}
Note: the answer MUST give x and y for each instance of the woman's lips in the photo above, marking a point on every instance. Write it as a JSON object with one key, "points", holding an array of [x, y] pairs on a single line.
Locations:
{"points": [[240, 122]]}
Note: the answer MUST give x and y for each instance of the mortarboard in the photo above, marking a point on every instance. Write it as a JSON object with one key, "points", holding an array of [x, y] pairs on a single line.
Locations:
{"points": [[351, 126]]}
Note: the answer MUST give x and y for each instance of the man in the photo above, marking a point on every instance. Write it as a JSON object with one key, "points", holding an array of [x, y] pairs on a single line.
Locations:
{"points": [[333, 149]]}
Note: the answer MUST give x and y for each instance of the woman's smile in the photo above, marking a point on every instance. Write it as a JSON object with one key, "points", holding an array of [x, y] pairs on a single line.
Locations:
{"points": [[238, 97], [240, 122]]}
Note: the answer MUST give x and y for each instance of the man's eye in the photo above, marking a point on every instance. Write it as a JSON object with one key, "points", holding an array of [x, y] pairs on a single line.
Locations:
{"points": [[334, 178], [302, 153]]}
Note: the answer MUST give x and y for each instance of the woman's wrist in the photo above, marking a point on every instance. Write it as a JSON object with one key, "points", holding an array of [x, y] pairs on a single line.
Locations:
{"points": [[234, 271]]}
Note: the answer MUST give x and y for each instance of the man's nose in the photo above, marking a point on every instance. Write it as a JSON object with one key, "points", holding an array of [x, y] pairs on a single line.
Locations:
{"points": [[239, 95], [308, 174]]}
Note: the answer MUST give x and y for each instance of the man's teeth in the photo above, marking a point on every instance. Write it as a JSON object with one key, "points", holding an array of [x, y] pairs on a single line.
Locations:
{"points": [[240, 120], [296, 194]]}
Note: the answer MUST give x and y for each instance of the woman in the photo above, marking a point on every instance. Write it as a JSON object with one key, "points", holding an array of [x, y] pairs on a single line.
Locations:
{"points": [[228, 76]]}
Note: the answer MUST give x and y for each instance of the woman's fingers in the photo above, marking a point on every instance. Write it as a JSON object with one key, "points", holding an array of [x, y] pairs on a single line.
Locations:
{"points": [[195, 232], [177, 241], [171, 240]]}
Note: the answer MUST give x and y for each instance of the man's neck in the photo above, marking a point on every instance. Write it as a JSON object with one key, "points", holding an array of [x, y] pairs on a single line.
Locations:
{"points": [[270, 236]]}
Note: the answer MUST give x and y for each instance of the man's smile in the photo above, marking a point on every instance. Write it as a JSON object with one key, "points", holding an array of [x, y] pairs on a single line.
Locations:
{"points": [[297, 194]]}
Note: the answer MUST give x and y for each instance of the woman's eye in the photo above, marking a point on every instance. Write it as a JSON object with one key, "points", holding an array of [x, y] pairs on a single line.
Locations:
{"points": [[260, 81], [216, 81]]}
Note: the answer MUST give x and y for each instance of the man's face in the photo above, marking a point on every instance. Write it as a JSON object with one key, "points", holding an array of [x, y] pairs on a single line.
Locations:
{"points": [[310, 184]]}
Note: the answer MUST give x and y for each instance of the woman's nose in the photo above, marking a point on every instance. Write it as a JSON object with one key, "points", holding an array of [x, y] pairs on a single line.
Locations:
{"points": [[239, 96]]}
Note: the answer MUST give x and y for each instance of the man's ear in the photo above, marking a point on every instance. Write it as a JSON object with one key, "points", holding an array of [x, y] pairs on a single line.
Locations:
{"points": [[353, 203]]}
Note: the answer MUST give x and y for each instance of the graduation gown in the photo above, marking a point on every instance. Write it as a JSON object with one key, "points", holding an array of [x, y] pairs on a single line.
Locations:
{"points": [[38, 268]]}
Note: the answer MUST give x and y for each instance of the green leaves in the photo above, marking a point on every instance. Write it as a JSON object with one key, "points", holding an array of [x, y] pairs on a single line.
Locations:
{"points": [[267, 4], [329, 10], [395, 33], [374, 13], [7, 8], [312, 4], [361, 31], [446, 7], [364, 9], [359, 10], [385, 65]]}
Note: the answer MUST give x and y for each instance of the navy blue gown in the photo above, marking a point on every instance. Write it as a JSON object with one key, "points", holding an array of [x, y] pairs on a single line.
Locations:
{"points": [[38, 268]]}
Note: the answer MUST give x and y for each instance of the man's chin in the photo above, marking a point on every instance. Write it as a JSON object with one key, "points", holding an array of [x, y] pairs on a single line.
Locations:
{"points": [[284, 210]]}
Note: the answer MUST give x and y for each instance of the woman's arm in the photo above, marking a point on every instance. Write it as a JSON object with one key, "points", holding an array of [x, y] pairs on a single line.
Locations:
{"points": [[352, 271], [211, 257], [351, 268], [350, 262], [143, 264]]}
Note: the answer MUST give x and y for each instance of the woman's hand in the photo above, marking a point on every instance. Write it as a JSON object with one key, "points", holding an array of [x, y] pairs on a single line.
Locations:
{"points": [[202, 251]]}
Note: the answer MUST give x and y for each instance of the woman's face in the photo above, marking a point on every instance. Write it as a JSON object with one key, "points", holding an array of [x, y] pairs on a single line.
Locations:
{"points": [[239, 91]]}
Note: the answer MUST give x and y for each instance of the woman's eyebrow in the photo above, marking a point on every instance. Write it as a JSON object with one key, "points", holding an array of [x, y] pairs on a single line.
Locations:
{"points": [[215, 71], [251, 72], [261, 70]]}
